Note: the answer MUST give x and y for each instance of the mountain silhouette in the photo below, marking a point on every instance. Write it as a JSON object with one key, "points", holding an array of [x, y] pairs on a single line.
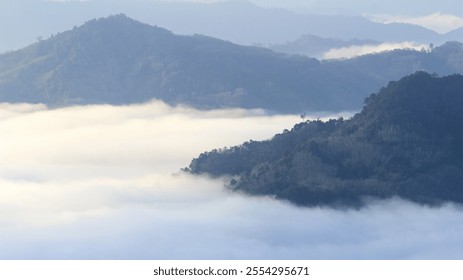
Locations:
{"points": [[117, 60], [406, 142]]}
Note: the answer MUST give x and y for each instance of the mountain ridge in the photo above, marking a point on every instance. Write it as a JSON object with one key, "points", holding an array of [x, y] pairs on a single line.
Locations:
{"points": [[183, 18], [405, 143], [118, 60]]}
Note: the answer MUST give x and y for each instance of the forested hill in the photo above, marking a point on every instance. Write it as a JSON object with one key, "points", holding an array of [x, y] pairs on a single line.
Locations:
{"points": [[406, 142], [117, 60]]}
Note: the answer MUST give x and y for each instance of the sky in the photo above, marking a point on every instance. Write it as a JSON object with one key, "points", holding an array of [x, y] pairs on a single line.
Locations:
{"points": [[410, 8], [103, 182], [356, 7], [441, 16]]}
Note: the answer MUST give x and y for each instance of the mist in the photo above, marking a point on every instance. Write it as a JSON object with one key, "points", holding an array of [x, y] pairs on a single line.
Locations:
{"points": [[439, 22], [359, 50], [104, 182]]}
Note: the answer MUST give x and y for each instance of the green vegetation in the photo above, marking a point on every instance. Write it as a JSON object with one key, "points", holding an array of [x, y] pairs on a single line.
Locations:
{"points": [[406, 142]]}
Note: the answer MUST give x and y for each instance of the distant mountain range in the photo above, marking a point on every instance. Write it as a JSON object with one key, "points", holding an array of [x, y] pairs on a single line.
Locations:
{"points": [[406, 142], [237, 21], [244, 23], [117, 60]]}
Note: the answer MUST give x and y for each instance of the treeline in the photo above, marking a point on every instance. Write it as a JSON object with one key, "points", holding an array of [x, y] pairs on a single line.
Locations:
{"points": [[406, 142]]}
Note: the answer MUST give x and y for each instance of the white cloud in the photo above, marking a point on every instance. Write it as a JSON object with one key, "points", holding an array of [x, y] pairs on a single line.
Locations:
{"points": [[9, 110], [358, 50], [99, 182], [438, 22]]}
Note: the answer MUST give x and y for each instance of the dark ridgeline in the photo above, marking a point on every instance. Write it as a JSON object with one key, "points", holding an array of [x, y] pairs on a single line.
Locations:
{"points": [[117, 60], [406, 142]]}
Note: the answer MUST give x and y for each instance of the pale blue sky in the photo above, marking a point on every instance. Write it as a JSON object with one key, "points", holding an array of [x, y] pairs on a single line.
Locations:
{"points": [[402, 7], [358, 7]]}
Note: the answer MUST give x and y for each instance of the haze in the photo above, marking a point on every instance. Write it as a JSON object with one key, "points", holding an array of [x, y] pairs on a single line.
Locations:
{"points": [[23, 22]]}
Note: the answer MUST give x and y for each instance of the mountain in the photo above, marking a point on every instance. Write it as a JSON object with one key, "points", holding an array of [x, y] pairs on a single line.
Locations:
{"points": [[117, 60], [406, 142], [240, 22], [245, 23], [455, 35]]}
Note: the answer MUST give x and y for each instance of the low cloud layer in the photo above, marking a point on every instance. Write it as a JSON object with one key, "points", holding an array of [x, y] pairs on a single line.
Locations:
{"points": [[439, 22], [102, 182], [358, 50]]}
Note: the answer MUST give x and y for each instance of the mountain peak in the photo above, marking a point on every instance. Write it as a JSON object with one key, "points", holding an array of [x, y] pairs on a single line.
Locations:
{"points": [[118, 60], [121, 24], [119, 21], [451, 47], [418, 101]]}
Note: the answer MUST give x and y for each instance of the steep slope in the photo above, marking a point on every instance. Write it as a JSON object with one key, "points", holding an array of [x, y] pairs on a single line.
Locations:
{"points": [[406, 142]]}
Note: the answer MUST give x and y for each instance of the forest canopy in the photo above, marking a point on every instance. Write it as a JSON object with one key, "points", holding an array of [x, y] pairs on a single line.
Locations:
{"points": [[406, 142]]}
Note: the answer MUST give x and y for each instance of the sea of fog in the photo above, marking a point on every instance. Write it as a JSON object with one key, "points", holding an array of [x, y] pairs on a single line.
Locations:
{"points": [[103, 182]]}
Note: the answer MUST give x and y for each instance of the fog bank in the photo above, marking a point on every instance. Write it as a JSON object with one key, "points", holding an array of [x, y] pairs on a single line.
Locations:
{"points": [[102, 182], [359, 50]]}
